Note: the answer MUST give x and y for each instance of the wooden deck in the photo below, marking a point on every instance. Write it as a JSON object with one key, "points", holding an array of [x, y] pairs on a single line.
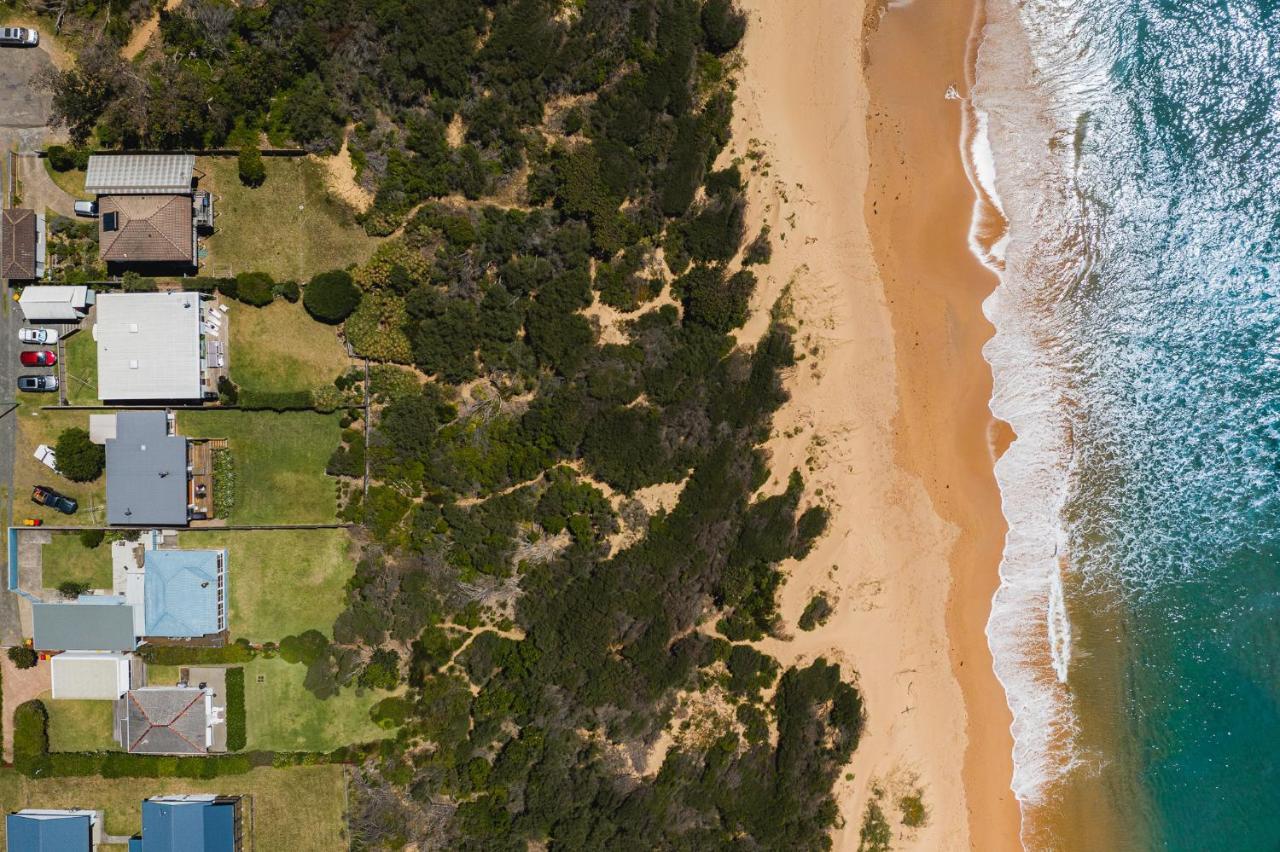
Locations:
{"points": [[200, 485], [215, 337]]}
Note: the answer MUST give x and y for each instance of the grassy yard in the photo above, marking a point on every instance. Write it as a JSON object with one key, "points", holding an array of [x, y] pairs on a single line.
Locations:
{"points": [[279, 462], [71, 181], [65, 558], [298, 808], [81, 354], [35, 427], [280, 713], [289, 226], [281, 582], [281, 348], [80, 725]]}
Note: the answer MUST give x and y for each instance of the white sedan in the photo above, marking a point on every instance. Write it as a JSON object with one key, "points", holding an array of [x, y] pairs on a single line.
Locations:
{"points": [[19, 36], [38, 336]]}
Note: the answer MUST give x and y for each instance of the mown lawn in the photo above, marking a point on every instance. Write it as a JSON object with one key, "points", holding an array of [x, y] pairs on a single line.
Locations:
{"points": [[297, 808], [81, 368], [281, 715], [37, 426], [281, 348], [65, 558], [80, 725], [281, 582], [279, 462], [289, 226], [71, 181]]}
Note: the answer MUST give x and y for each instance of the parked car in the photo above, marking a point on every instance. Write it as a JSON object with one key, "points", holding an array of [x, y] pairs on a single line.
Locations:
{"points": [[19, 36], [45, 496], [38, 336], [37, 383], [43, 358], [87, 208], [47, 457]]}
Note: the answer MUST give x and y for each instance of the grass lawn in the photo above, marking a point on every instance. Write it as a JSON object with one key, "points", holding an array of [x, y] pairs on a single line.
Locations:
{"points": [[297, 808], [35, 427], [289, 226], [80, 725], [158, 675], [281, 582], [81, 354], [281, 348], [71, 181], [279, 462], [280, 714], [65, 558]]}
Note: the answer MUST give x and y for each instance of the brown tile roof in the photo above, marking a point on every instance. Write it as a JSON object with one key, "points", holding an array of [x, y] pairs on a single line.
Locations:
{"points": [[18, 253], [150, 228]]}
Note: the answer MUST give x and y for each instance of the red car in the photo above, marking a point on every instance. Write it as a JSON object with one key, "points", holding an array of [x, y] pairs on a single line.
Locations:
{"points": [[38, 359]]}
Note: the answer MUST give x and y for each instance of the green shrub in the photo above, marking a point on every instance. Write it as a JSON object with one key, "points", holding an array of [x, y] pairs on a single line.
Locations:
{"points": [[394, 265], [759, 250], [236, 736], [185, 655], [816, 612], [228, 393], [391, 712], [23, 657], [331, 296], [31, 738], [228, 288], [224, 482], [92, 538], [722, 25], [132, 282], [72, 589], [376, 329], [914, 812], [252, 171], [382, 671], [255, 288], [305, 648], [79, 459], [61, 159], [289, 290]]}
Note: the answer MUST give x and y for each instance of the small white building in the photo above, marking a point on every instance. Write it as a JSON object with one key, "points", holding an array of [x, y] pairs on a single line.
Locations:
{"points": [[149, 347], [55, 303], [91, 675]]}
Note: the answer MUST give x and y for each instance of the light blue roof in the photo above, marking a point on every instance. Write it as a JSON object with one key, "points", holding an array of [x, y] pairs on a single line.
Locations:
{"points": [[188, 827], [181, 592], [47, 832]]}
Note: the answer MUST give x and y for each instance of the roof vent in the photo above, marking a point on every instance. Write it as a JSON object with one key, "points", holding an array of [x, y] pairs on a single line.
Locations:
{"points": [[133, 328], [133, 365]]}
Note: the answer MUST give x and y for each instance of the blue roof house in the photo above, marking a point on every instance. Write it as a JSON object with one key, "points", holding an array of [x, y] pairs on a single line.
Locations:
{"points": [[189, 824], [35, 830], [185, 593]]}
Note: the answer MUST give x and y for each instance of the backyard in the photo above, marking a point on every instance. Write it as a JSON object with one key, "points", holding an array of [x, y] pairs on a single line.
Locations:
{"points": [[38, 426], [280, 461], [71, 181], [66, 559], [296, 808], [281, 582], [282, 715], [81, 368], [281, 348], [309, 231], [80, 725]]}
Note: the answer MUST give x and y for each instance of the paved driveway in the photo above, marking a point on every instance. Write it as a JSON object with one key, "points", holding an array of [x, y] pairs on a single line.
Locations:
{"points": [[21, 106]]}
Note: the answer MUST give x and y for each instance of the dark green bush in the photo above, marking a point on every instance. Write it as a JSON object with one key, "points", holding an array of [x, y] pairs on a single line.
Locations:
{"points": [[255, 288], [236, 734], [71, 589], [92, 538], [228, 393], [252, 170], [722, 25], [182, 655], [132, 282], [31, 738], [305, 648], [289, 290], [816, 612], [79, 459], [331, 296], [61, 159], [23, 657]]}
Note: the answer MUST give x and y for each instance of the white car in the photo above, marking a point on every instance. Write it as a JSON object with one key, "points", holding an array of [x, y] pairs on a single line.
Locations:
{"points": [[87, 208], [38, 336], [19, 36]]}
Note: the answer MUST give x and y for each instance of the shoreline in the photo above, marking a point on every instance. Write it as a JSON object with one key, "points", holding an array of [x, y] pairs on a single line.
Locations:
{"points": [[888, 418]]}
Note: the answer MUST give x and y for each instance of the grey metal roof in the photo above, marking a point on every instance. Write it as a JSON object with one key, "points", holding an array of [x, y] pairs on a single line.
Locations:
{"points": [[106, 626], [139, 174], [164, 720], [146, 471]]}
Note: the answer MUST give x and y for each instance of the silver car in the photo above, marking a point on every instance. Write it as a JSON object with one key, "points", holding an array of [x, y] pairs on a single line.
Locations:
{"points": [[19, 36]]}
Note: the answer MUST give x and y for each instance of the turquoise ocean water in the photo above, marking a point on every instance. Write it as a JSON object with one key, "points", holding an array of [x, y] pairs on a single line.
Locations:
{"points": [[1134, 148]]}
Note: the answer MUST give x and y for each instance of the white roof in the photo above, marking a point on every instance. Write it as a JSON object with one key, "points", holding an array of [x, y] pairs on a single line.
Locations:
{"points": [[139, 174], [53, 303], [85, 674], [148, 346]]}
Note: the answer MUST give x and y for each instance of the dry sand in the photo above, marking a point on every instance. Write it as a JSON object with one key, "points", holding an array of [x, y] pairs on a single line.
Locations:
{"points": [[869, 206]]}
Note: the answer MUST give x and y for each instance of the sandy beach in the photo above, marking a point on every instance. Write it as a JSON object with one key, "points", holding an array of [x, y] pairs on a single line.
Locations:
{"points": [[855, 160]]}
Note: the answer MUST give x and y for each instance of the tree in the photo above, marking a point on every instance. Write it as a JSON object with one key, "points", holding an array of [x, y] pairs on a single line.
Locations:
{"points": [[72, 589], [255, 288], [79, 459], [92, 538], [22, 657], [723, 25], [331, 296], [252, 170]]}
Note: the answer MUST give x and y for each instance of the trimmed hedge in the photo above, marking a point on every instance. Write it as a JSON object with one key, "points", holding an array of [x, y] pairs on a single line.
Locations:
{"points": [[236, 736], [331, 296], [31, 738], [186, 655], [255, 288]]}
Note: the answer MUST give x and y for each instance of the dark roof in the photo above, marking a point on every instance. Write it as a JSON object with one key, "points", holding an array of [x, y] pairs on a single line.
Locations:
{"points": [[86, 625], [189, 826], [146, 471], [48, 832], [148, 228], [163, 720], [18, 253]]}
